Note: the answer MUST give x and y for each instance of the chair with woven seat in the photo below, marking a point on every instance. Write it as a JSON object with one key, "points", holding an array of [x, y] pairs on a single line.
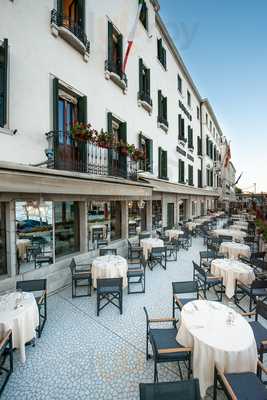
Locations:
{"points": [[110, 290], [137, 276], [6, 359], [183, 390], [158, 256], [240, 385], [107, 252], [207, 281], [183, 288], [39, 287], [256, 291], [165, 348], [80, 277]]}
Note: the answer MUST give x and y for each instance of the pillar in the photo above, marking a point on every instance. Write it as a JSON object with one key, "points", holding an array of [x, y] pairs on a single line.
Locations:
{"points": [[11, 238], [124, 219], [149, 215], [83, 214]]}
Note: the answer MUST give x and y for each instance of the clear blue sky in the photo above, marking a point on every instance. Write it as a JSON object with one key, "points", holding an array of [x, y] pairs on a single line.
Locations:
{"points": [[224, 46]]}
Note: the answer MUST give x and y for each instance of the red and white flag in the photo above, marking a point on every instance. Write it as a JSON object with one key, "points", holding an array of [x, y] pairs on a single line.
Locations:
{"points": [[227, 156], [132, 36]]}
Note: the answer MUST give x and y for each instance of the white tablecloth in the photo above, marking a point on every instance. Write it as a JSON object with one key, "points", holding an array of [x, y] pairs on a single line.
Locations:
{"points": [[203, 326], [173, 233], [234, 250], [237, 227], [148, 243], [22, 320], [109, 266], [231, 270], [244, 224], [22, 245], [235, 234]]}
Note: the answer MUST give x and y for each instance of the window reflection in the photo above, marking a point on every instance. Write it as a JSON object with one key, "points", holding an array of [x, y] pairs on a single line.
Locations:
{"points": [[156, 214], [136, 217], [34, 234]]}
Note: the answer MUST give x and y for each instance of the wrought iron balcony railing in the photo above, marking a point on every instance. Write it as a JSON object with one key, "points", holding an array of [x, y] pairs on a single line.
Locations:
{"points": [[71, 25], [80, 156]]}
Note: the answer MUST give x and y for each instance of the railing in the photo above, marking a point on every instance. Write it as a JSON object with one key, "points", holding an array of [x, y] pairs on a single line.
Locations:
{"points": [[143, 96], [74, 27], [66, 154], [116, 68]]}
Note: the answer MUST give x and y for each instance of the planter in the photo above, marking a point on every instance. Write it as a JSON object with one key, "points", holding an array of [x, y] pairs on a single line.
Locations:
{"points": [[124, 151]]}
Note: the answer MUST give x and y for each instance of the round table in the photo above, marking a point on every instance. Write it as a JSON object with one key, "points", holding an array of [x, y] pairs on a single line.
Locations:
{"points": [[230, 270], [203, 326], [173, 233], [109, 266], [234, 250], [148, 243], [19, 312], [235, 234], [22, 245]]}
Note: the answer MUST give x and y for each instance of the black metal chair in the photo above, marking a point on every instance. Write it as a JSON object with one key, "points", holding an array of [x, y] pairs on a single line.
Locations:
{"points": [[101, 243], [225, 238], [41, 257], [164, 345], [134, 252], [240, 385], [207, 281], [40, 287], [182, 288], [97, 234], [158, 256], [137, 276], [110, 290], [256, 291], [107, 252], [172, 249], [184, 390], [6, 359], [80, 277]]}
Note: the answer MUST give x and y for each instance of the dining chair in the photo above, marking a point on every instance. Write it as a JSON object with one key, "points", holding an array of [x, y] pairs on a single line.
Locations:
{"points": [[134, 252], [101, 243], [39, 286], [109, 290], [6, 359], [144, 236], [80, 277], [107, 252], [158, 256], [183, 288], [240, 385], [137, 276], [183, 390], [165, 347], [207, 281], [256, 291]]}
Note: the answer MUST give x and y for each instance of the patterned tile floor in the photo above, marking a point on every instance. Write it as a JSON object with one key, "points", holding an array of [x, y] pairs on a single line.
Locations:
{"points": [[82, 356]]}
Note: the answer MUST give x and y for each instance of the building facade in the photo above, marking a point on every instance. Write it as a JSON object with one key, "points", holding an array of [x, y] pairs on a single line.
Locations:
{"points": [[61, 64]]}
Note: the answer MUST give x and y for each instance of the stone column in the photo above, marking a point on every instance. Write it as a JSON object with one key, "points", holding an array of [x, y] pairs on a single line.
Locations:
{"points": [[124, 219], [164, 210], [149, 215], [11, 238], [83, 212]]}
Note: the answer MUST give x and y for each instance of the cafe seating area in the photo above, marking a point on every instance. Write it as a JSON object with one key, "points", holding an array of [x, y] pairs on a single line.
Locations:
{"points": [[181, 314]]}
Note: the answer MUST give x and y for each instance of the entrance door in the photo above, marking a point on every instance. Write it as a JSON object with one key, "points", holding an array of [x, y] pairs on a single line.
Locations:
{"points": [[170, 215]]}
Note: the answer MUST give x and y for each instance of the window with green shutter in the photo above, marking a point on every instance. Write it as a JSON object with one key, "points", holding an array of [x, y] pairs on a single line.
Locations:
{"points": [[190, 175], [144, 83], [207, 145], [180, 83], [3, 82], [162, 109], [181, 172], [144, 14], [162, 54], [199, 146], [199, 178], [115, 50], [181, 128], [146, 145], [163, 164], [117, 162], [190, 138]]}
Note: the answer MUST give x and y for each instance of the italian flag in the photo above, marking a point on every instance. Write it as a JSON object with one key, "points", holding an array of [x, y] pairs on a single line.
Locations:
{"points": [[132, 36]]}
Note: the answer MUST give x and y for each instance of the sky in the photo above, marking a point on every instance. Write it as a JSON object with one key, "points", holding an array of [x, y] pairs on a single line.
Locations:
{"points": [[224, 46]]}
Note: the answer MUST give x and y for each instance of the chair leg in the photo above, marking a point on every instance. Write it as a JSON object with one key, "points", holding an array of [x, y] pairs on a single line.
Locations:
{"points": [[215, 385], [97, 304], [121, 302], [156, 377]]}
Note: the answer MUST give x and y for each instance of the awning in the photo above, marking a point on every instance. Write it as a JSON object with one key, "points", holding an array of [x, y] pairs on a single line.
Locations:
{"points": [[26, 180], [162, 186]]}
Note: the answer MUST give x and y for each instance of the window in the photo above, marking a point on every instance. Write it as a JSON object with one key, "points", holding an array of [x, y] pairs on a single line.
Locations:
{"points": [[162, 54], [102, 221], [3, 261], [67, 228], [209, 177], [156, 214], [188, 99], [136, 217], [163, 164], [115, 50], [190, 138], [199, 178], [199, 146], [180, 83], [144, 83], [3, 82], [210, 126], [117, 162], [147, 146], [190, 175], [207, 145], [193, 208], [181, 129], [198, 112], [207, 119], [181, 172], [144, 14], [162, 109]]}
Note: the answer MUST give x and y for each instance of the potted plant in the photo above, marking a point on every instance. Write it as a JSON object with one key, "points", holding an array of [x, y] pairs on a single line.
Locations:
{"points": [[138, 155], [123, 148], [79, 132]]}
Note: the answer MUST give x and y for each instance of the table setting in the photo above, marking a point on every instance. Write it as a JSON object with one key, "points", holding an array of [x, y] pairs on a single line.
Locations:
{"points": [[233, 250], [237, 235], [173, 233], [148, 244], [217, 334], [109, 266], [19, 312]]}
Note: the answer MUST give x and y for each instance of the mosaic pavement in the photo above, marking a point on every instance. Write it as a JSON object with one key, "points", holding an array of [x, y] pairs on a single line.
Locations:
{"points": [[82, 356]]}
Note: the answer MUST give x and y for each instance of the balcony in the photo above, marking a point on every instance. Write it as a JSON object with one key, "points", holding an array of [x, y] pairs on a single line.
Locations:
{"points": [[79, 156], [114, 72], [145, 101], [71, 31]]}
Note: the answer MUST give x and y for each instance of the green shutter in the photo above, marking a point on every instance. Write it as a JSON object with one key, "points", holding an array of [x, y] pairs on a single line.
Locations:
{"points": [[81, 12], [160, 110], [123, 159], [120, 46], [141, 66], [82, 117], [164, 58], [148, 82], [182, 171], [60, 7], [179, 126], [192, 137], [109, 127], [110, 44], [3, 82], [207, 145], [165, 108], [159, 48], [164, 164], [55, 104], [182, 128], [151, 156], [159, 163]]}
